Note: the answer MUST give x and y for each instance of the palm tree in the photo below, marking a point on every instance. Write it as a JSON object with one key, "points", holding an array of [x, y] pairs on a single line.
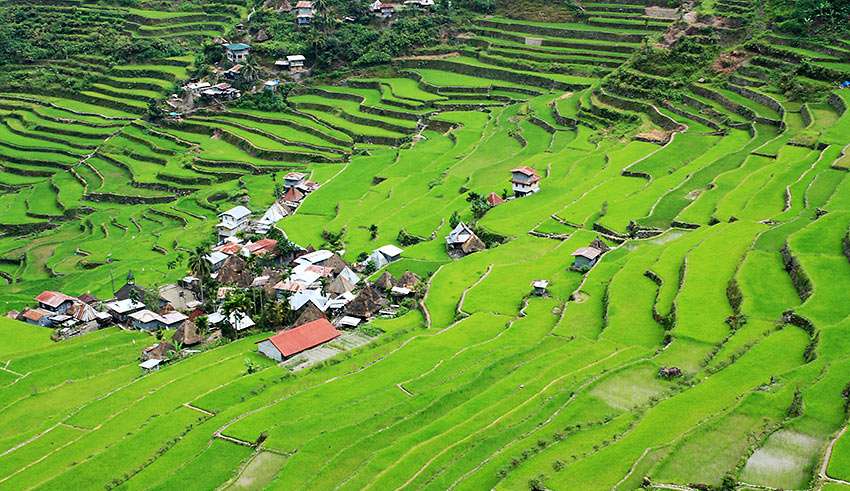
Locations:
{"points": [[199, 266]]}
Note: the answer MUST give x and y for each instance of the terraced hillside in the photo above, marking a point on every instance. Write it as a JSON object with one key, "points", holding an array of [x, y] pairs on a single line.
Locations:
{"points": [[724, 201]]}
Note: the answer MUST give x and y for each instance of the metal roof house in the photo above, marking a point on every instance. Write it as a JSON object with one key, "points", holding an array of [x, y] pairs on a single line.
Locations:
{"points": [[585, 258], [232, 221], [286, 344], [237, 52]]}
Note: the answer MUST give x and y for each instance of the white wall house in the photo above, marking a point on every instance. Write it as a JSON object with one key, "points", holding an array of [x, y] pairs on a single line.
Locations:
{"points": [[233, 221]]}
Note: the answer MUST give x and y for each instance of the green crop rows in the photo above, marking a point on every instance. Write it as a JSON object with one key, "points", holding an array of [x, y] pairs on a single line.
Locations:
{"points": [[730, 262]]}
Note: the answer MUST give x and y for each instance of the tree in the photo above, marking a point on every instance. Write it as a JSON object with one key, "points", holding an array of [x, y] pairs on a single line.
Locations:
{"points": [[454, 219], [235, 304], [373, 231], [199, 266]]}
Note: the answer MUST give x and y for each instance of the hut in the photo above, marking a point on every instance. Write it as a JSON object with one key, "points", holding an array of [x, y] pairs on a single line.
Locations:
{"points": [[409, 280], [235, 272], [462, 241], [366, 304], [585, 258], [187, 334], [385, 282]]}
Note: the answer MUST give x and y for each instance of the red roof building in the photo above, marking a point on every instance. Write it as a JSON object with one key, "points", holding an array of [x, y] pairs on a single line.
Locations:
{"points": [[262, 246], [494, 199], [293, 196], [288, 343], [54, 301]]}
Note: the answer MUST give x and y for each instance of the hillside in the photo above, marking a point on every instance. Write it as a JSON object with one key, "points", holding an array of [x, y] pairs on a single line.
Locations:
{"points": [[702, 147]]}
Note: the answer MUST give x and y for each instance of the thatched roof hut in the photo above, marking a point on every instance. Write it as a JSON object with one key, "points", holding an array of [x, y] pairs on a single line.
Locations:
{"points": [[367, 303], [385, 282], [235, 272], [409, 280], [309, 313], [339, 286], [158, 351], [187, 334]]}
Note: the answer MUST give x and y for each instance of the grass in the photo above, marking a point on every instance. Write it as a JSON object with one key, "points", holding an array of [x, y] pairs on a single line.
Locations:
{"points": [[497, 389]]}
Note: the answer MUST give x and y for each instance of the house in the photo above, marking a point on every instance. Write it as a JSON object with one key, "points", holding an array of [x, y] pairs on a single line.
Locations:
{"points": [[525, 181], [293, 197], [271, 85], [494, 199], [540, 287], [173, 320], [180, 298], [315, 257], [223, 90], [409, 280], [85, 313], [187, 334], [260, 248], [237, 52], [87, 298], [238, 320], [304, 13], [276, 212], [232, 221], [195, 88], [349, 275], [293, 179], [385, 282], [367, 303], [347, 321], [462, 240], [296, 63], [216, 260], [145, 320], [286, 344], [384, 255], [132, 291], [386, 11], [235, 272], [37, 317], [121, 309], [339, 286], [423, 4], [400, 291], [585, 258], [302, 297], [159, 351], [55, 301]]}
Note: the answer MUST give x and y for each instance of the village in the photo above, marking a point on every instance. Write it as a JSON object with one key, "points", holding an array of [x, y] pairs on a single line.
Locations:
{"points": [[253, 279], [238, 72]]}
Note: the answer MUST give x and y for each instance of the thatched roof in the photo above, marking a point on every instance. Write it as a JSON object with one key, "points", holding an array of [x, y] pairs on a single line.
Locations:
{"points": [[339, 286], [309, 313], [385, 282], [336, 263], [409, 280], [367, 303], [599, 244], [473, 244], [158, 351], [235, 271], [187, 334]]}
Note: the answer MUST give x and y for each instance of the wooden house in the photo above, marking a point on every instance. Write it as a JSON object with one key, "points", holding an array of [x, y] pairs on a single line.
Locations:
{"points": [[304, 13], [585, 258], [462, 241]]}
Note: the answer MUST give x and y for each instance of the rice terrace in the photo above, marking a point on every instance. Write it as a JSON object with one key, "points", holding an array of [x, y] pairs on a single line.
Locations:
{"points": [[426, 244]]}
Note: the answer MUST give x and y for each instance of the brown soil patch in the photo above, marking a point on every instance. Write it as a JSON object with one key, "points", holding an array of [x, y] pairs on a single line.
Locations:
{"points": [[654, 136], [729, 62]]}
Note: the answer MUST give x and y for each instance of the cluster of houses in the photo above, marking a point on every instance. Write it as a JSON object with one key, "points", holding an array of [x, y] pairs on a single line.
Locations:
{"points": [[131, 307], [296, 187]]}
